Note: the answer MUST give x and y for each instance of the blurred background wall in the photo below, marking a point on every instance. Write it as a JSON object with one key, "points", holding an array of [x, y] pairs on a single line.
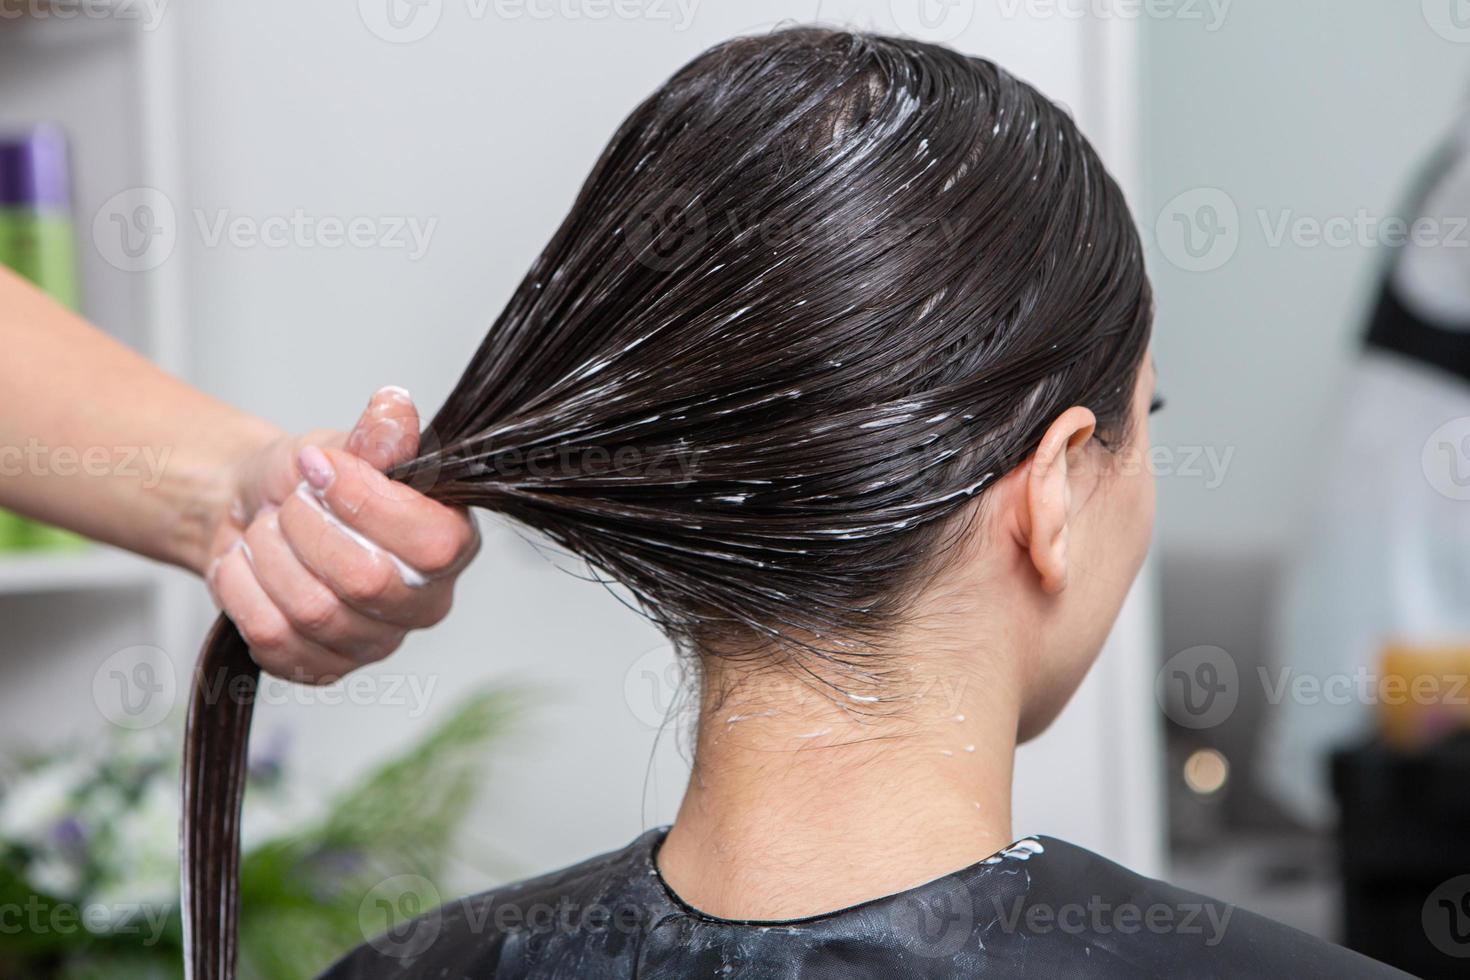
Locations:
{"points": [[1278, 143], [1309, 110]]}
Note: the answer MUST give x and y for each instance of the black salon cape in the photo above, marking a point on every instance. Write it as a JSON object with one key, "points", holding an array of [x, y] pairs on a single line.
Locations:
{"points": [[1042, 908]]}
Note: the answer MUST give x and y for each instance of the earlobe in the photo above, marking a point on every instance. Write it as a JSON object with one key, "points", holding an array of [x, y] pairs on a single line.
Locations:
{"points": [[1048, 498]]}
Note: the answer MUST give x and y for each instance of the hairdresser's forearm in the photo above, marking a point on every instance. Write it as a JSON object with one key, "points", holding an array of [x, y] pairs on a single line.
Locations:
{"points": [[96, 439]]}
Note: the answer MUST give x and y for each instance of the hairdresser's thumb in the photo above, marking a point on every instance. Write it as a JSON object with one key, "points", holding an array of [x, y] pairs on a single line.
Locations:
{"points": [[387, 433]]}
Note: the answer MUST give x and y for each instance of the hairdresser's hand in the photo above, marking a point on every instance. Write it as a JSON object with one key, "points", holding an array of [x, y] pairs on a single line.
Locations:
{"points": [[323, 563]]}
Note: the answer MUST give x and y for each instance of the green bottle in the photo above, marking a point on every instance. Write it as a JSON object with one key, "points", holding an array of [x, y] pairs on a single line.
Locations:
{"points": [[37, 241]]}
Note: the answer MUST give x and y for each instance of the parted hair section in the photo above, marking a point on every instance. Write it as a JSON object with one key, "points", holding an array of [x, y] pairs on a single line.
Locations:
{"points": [[818, 292]]}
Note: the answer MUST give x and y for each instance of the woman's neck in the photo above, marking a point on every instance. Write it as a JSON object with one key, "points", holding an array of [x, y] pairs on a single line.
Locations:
{"points": [[804, 800]]}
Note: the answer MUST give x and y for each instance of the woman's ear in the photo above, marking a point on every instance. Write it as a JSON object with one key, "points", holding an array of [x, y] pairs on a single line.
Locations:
{"points": [[1047, 503]]}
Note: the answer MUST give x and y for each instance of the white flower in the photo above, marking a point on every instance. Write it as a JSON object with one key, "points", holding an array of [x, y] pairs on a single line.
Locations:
{"points": [[52, 874], [144, 852], [35, 802]]}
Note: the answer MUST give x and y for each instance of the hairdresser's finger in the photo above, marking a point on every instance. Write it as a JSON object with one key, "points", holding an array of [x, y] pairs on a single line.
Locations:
{"points": [[387, 431], [277, 647], [432, 539], [313, 610], [269, 477], [359, 571]]}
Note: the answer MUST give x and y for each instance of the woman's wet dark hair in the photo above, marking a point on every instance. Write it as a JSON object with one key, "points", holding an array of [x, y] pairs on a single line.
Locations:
{"points": [[819, 291]]}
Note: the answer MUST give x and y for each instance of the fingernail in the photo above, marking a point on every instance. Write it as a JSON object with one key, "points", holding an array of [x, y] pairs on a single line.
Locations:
{"points": [[315, 467], [380, 434], [396, 392]]}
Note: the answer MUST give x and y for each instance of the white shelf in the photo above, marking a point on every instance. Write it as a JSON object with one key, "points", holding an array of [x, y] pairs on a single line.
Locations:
{"points": [[110, 80], [96, 567]]}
